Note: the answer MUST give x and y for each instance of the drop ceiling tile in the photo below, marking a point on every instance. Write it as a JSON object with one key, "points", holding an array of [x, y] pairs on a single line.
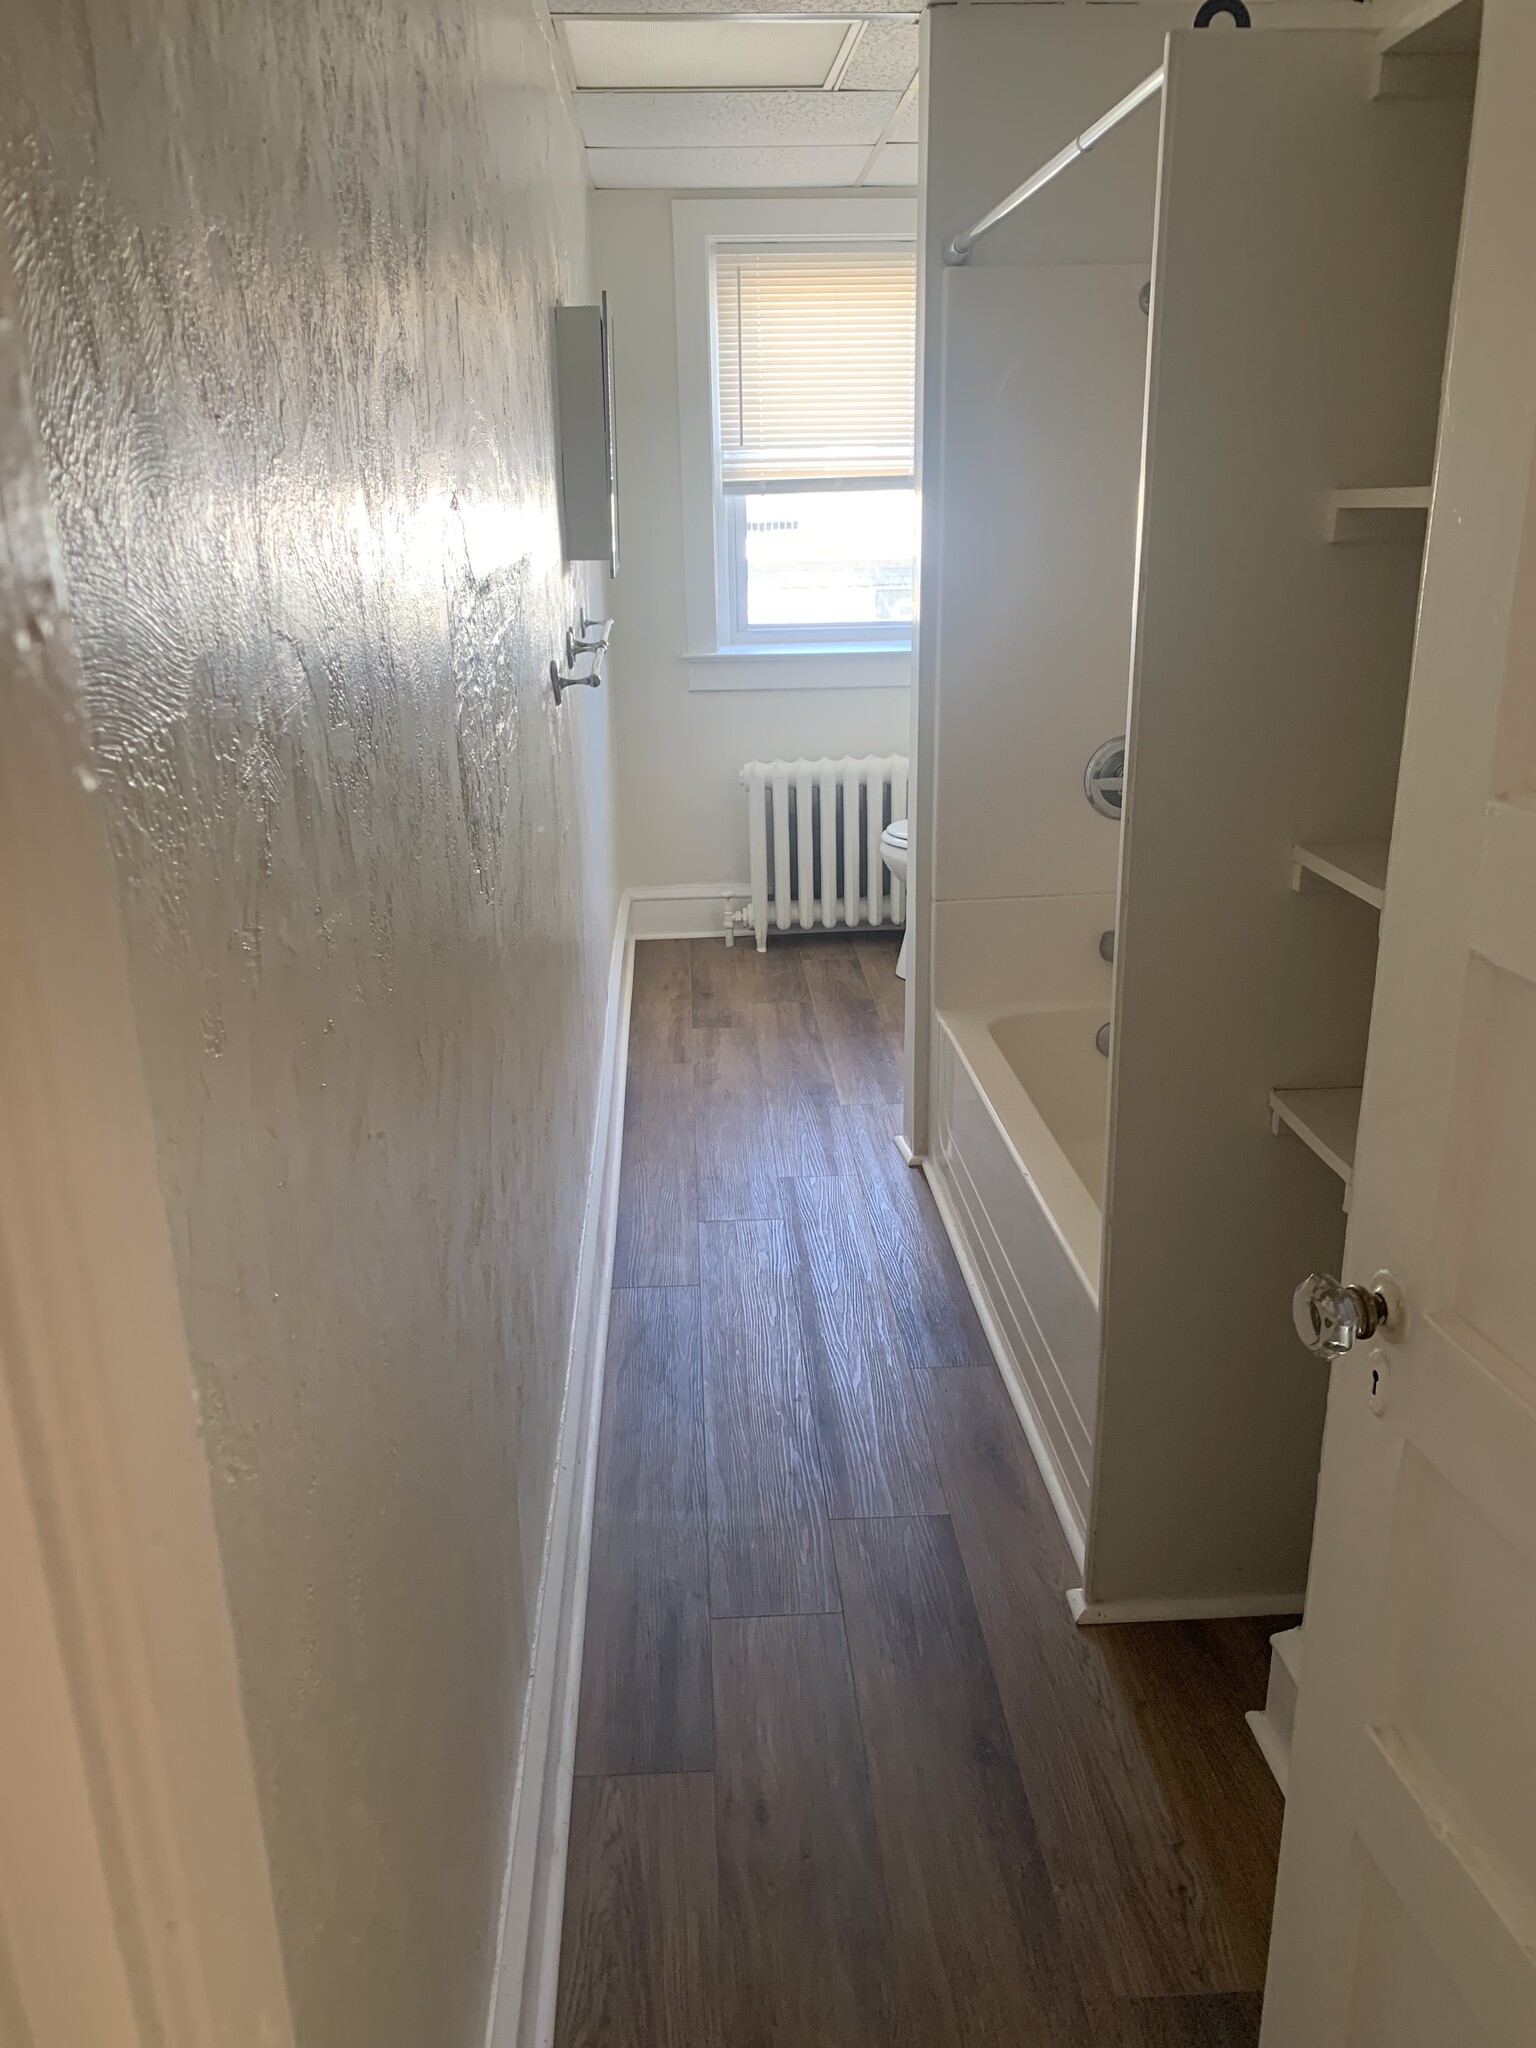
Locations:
{"points": [[663, 120], [895, 165], [842, 10], [724, 170], [906, 129], [636, 54], [886, 58]]}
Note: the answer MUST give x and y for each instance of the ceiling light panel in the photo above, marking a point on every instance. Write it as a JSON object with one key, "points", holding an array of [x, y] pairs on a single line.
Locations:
{"points": [[641, 55]]}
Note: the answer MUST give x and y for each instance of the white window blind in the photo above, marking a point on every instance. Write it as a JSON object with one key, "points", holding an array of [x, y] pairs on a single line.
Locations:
{"points": [[816, 364]]}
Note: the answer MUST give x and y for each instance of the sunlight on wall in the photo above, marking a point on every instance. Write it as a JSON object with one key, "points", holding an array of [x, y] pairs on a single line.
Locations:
{"points": [[287, 276]]}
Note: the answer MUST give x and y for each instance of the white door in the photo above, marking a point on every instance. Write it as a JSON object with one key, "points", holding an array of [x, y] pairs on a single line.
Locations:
{"points": [[1406, 1915]]}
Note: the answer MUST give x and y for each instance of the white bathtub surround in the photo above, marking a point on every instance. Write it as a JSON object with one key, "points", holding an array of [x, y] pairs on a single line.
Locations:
{"points": [[1003, 953], [1017, 1154], [1034, 364], [1018, 1168]]}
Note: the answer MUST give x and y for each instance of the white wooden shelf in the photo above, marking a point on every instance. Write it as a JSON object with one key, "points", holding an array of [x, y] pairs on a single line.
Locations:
{"points": [[1358, 866], [1326, 1121], [1396, 512]]}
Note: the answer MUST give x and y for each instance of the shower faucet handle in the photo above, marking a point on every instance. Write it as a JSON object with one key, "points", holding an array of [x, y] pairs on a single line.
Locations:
{"points": [[1332, 1319]]}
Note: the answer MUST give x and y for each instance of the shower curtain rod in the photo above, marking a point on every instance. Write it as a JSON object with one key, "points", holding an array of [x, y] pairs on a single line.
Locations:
{"points": [[960, 248]]}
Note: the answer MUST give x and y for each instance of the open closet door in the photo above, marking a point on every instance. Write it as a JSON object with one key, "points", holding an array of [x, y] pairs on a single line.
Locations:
{"points": [[1407, 1906]]}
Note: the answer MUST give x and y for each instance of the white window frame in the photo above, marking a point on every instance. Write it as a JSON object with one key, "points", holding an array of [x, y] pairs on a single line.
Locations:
{"points": [[720, 657]]}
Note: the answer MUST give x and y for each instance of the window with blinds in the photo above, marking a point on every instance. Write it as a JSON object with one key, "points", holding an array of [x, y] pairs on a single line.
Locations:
{"points": [[815, 365]]}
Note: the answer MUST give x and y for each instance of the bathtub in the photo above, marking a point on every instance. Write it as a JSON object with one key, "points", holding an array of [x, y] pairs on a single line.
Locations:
{"points": [[1020, 1106]]}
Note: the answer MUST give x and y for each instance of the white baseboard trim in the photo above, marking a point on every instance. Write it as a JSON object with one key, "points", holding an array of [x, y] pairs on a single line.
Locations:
{"points": [[1012, 1378], [1274, 1752], [1274, 1724], [912, 1158], [526, 1974], [684, 910], [1151, 1607]]}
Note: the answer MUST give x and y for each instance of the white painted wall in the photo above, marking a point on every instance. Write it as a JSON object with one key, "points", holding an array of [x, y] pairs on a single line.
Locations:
{"points": [[677, 751], [293, 382]]}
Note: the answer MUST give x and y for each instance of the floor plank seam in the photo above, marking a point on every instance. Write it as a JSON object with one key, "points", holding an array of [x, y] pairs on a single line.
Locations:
{"points": [[625, 1777], [899, 1515]]}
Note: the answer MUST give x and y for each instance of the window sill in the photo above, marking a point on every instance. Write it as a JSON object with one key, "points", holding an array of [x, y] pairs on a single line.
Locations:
{"points": [[844, 666], [812, 650]]}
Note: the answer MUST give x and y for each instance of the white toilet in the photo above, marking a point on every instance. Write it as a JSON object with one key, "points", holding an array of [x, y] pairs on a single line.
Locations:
{"points": [[893, 851]]}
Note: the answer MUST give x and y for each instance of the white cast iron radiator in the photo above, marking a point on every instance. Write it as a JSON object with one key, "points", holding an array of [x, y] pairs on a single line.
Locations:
{"points": [[813, 838]]}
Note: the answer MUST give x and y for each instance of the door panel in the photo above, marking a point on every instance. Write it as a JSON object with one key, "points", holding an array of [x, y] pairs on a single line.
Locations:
{"points": [[1404, 1997], [1406, 1915]]}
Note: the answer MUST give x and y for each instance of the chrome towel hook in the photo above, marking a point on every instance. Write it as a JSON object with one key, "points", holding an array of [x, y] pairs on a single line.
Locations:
{"points": [[592, 639]]}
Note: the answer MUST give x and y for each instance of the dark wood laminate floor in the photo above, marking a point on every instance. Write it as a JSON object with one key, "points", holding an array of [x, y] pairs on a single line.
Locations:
{"points": [[847, 1775]]}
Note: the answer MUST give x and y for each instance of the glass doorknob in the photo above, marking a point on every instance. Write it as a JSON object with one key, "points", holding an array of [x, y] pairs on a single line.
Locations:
{"points": [[1331, 1318]]}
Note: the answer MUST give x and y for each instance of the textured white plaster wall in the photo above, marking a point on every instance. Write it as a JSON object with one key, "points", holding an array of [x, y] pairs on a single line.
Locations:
{"points": [[287, 273], [682, 815]]}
